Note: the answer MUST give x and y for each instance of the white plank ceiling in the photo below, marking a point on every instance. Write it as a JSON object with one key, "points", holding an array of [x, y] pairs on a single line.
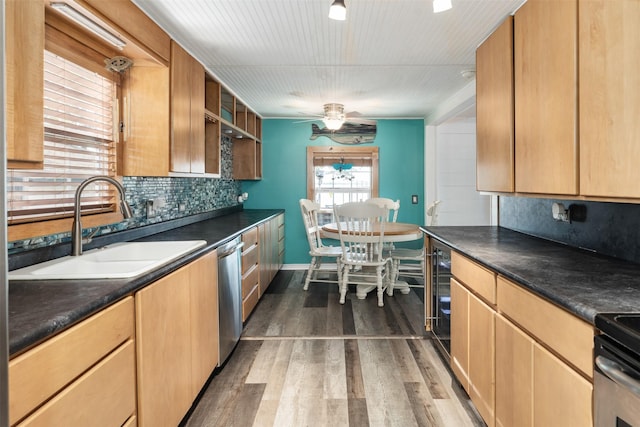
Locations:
{"points": [[285, 58]]}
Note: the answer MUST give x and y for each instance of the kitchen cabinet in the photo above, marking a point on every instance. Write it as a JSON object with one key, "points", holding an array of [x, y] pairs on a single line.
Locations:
{"points": [[251, 265], [89, 366], [247, 159], [176, 338], [212, 127], [145, 142], [473, 333], [514, 375], [187, 112], [271, 250], [545, 76], [495, 111], [609, 55], [544, 361], [24, 103]]}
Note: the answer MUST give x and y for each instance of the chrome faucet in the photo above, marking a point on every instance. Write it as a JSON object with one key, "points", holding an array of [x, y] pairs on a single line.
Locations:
{"points": [[76, 230]]}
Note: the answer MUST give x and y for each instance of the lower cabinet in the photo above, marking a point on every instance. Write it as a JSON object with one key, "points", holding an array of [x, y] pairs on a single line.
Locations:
{"points": [[84, 376], [523, 360], [533, 386], [176, 339], [472, 349], [251, 264]]}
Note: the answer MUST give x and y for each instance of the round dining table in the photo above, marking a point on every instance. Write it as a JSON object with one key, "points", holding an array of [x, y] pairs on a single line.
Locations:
{"points": [[393, 232]]}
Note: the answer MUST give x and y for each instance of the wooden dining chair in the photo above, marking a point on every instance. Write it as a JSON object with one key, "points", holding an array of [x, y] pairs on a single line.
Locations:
{"points": [[361, 230], [317, 249], [392, 206]]}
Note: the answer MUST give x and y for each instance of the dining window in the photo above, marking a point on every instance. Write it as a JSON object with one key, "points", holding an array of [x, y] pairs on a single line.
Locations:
{"points": [[337, 175]]}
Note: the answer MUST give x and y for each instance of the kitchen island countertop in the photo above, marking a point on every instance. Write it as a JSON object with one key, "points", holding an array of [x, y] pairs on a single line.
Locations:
{"points": [[40, 309], [583, 282]]}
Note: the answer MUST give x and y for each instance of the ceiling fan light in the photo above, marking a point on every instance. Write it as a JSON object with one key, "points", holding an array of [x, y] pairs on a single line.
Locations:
{"points": [[441, 5], [338, 11], [333, 123]]}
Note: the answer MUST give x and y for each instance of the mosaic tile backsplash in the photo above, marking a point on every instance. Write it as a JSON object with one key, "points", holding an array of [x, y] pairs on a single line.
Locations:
{"points": [[181, 196]]}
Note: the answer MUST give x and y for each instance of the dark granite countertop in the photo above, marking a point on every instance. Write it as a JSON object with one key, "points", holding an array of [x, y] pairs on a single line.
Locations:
{"points": [[583, 282], [40, 309]]}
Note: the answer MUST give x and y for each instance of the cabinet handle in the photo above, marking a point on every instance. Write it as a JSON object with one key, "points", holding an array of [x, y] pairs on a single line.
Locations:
{"points": [[615, 373]]}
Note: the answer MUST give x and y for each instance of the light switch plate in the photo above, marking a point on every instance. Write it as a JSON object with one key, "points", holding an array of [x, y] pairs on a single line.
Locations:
{"points": [[414, 199]]}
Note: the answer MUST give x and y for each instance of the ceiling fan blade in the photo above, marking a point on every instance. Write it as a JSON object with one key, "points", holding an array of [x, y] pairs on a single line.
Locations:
{"points": [[359, 121], [308, 120]]}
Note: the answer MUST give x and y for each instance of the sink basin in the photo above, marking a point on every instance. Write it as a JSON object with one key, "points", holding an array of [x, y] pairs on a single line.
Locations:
{"points": [[120, 260]]}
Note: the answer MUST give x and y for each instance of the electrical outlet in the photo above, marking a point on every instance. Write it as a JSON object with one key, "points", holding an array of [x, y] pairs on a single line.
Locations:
{"points": [[414, 199]]}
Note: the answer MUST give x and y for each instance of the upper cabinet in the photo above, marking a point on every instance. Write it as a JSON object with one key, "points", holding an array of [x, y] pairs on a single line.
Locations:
{"points": [[545, 73], [187, 112], [24, 83], [609, 55], [494, 111]]}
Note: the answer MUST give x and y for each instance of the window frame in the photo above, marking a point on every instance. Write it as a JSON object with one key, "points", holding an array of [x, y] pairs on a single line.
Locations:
{"points": [[342, 152], [76, 45]]}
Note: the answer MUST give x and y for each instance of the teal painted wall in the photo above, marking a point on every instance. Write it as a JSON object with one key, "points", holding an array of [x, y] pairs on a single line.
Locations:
{"points": [[284, 173]]}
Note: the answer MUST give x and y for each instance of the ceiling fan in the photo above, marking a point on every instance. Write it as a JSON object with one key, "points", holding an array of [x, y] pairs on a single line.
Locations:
{"points": [[334, 117]]}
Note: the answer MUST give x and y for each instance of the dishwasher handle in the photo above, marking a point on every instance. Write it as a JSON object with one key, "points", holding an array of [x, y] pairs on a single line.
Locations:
{"points": [[231, 251]]}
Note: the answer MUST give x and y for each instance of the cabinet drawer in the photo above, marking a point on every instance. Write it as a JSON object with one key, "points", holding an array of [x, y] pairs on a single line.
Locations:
{"points": [[65, 357], [249, 303], [475, 277], [568, 336], [250, 281], [249, 259], [250, 238], [281, 232], [105, 395]]}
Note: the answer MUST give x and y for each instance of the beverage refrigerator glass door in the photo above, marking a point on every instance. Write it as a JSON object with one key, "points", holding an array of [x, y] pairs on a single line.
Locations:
{"points": [[440, 295]]}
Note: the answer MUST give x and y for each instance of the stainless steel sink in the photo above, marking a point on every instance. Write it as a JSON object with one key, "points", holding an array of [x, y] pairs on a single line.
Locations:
{"points": [[120, 260]]}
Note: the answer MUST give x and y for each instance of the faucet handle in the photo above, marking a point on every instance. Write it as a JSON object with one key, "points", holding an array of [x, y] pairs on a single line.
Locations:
{"points": [[90, 236]]}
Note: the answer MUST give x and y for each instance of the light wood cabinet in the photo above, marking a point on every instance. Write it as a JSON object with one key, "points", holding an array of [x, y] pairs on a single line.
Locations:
{"points": [[163, 350], [204, 319], [90, 365], [514, 375], [561, 397], [247, 159], [187, 112], [472, 348], [545, 74], [145, 143], [495, 111], [251, 265], [24, 104], [544, 361], [176, 336], [609, 56]]}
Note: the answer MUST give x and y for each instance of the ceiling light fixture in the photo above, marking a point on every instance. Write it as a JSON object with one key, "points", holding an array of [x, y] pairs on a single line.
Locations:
{"points": [[89, 23], [333, 116], [441, 5], [338, 11]]}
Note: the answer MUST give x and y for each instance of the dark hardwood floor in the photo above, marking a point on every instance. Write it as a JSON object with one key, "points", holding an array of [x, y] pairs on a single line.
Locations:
{"points": [[306, 360]]}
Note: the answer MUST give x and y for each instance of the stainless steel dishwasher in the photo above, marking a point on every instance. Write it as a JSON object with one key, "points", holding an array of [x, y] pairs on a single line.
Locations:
{"points": [[229, 297]]}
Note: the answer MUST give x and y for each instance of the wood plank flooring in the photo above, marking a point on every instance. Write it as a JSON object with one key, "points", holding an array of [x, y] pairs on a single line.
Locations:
{"points": [[306, 360]]}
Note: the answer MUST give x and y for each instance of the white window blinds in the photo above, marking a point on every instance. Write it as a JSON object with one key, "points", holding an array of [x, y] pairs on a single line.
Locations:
{"points": [[79, 128]]}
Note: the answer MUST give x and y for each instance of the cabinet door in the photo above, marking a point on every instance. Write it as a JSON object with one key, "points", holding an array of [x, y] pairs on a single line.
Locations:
{"points": [[163, 350], [545, 55], [203, 274], [197, 124], [609, 103], [24, 83], [145, 148], [482, 358], [180, 109], [494, 111], [561, 396], [187, 112], [460, 333], [514, 375]]}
